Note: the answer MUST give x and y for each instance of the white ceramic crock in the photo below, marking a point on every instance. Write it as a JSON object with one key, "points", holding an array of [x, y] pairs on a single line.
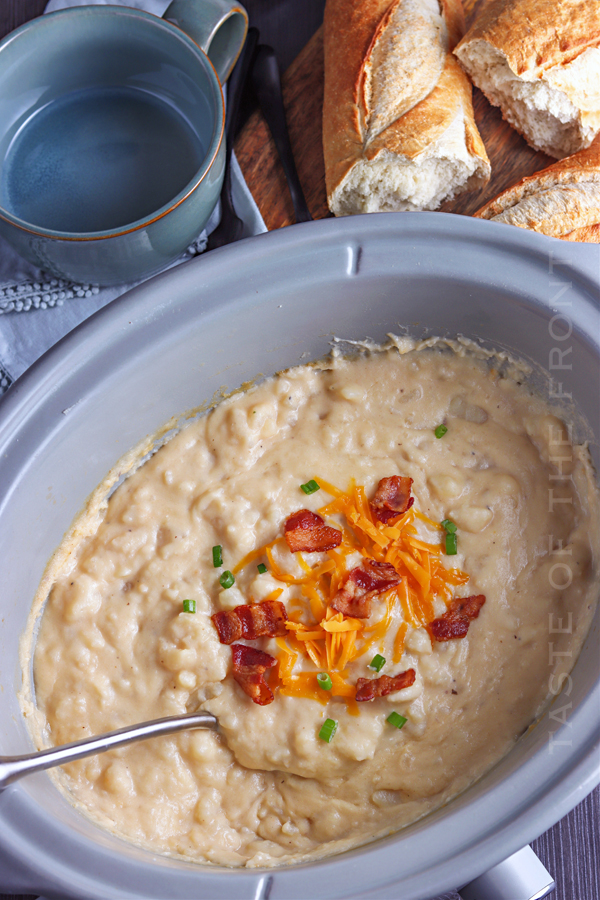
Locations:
{"points": [[256, 307]]}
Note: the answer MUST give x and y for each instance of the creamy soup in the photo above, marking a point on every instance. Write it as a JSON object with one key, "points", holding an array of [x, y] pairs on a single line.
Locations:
{"points": [[127, 632]]}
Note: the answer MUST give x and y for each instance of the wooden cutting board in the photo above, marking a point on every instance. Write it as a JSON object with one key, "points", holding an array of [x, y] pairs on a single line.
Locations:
{"points": [[511, 157]]}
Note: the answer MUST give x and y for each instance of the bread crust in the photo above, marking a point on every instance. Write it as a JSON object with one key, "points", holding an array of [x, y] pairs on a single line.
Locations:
{"points": [[588, 235], [348, 29], [352, 29], [428, 120], [539, 60], [577, 223], [535, 35]]}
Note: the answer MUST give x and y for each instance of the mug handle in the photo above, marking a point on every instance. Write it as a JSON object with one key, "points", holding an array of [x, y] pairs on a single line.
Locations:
{"points": [[219, 27]]}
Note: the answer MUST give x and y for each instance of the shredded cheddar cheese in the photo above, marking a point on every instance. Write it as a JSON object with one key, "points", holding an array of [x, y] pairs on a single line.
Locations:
{"points": [[330, 640]]}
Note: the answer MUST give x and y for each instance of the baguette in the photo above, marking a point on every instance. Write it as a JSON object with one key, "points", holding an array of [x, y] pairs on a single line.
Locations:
{"points": [[398, 125], [539, 61], [562, 201]]}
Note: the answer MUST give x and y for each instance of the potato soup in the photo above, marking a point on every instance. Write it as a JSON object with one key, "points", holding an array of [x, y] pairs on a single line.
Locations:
{"points": [[351, 566]]}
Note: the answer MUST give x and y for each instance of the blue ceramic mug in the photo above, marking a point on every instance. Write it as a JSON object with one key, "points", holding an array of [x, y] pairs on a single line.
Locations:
{"points": [[112, 135]]}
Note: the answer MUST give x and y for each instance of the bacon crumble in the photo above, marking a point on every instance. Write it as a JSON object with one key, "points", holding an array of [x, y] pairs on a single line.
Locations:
{"points": [[249, 667], [457, 618], [361, 585], [306, 530], [251, 621], [369, 688], [392, 498]]}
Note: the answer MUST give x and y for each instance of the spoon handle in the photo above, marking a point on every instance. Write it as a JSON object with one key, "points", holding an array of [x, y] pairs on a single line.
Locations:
{"points": [[14, 767], [267, 87]]}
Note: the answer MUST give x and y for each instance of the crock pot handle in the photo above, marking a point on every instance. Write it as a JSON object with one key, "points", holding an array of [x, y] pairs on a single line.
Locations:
{"points": [[520, 877], [219, 27]]}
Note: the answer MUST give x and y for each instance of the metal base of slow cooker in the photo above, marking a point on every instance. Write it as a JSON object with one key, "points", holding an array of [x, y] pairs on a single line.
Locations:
{"points": [[520, 877]]}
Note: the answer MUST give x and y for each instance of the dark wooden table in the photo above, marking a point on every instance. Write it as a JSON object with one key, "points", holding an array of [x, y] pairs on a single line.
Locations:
{"points": [[570, 850]]}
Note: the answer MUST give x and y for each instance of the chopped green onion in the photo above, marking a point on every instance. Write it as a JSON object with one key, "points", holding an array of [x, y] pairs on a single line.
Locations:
{"points": [[377, 663], [328, 729], [217, 556], [440, 431], [310, 487], [324, 681], [450, 526], [396, 720], [226, 579], [189, 606], [451, 544], [261, 568]]}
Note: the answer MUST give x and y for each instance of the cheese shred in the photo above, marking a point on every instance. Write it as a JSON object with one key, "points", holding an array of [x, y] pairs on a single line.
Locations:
{"points": [[330, 641]]}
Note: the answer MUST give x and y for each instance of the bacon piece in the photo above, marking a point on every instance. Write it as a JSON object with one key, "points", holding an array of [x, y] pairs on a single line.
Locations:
{"points": [[305, 530], [369, 688], [229, 626], [249, 667], [457, 618], [392, 498], [266, 619], [361, 585]]}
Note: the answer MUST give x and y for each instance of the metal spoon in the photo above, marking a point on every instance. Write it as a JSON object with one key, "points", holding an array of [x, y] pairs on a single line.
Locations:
{"points": [[231, 227], [15, 767], [267, 87]]}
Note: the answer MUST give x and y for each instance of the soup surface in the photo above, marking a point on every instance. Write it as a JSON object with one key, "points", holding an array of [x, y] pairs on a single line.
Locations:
{"points": [[502, 497]]}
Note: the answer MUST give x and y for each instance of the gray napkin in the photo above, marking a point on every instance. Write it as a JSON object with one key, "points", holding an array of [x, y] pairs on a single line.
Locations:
{"points": [[54, 307]]}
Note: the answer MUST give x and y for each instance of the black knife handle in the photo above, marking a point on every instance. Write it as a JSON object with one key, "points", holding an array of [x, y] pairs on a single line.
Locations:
{"points": [[267, 87]]}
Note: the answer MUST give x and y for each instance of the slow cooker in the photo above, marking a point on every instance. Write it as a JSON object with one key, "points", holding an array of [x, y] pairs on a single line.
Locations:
{"points": [[247, 310]]}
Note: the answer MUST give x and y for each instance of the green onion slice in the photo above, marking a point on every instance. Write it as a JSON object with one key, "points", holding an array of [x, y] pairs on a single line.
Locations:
{"points": [[226, 579], [324, 681], [377, 663], [440, 431], [396, 720], [450, 526], [217, 553], [328, 729], [261, 568], [310, 487], [189, 606], [451, 544]]}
